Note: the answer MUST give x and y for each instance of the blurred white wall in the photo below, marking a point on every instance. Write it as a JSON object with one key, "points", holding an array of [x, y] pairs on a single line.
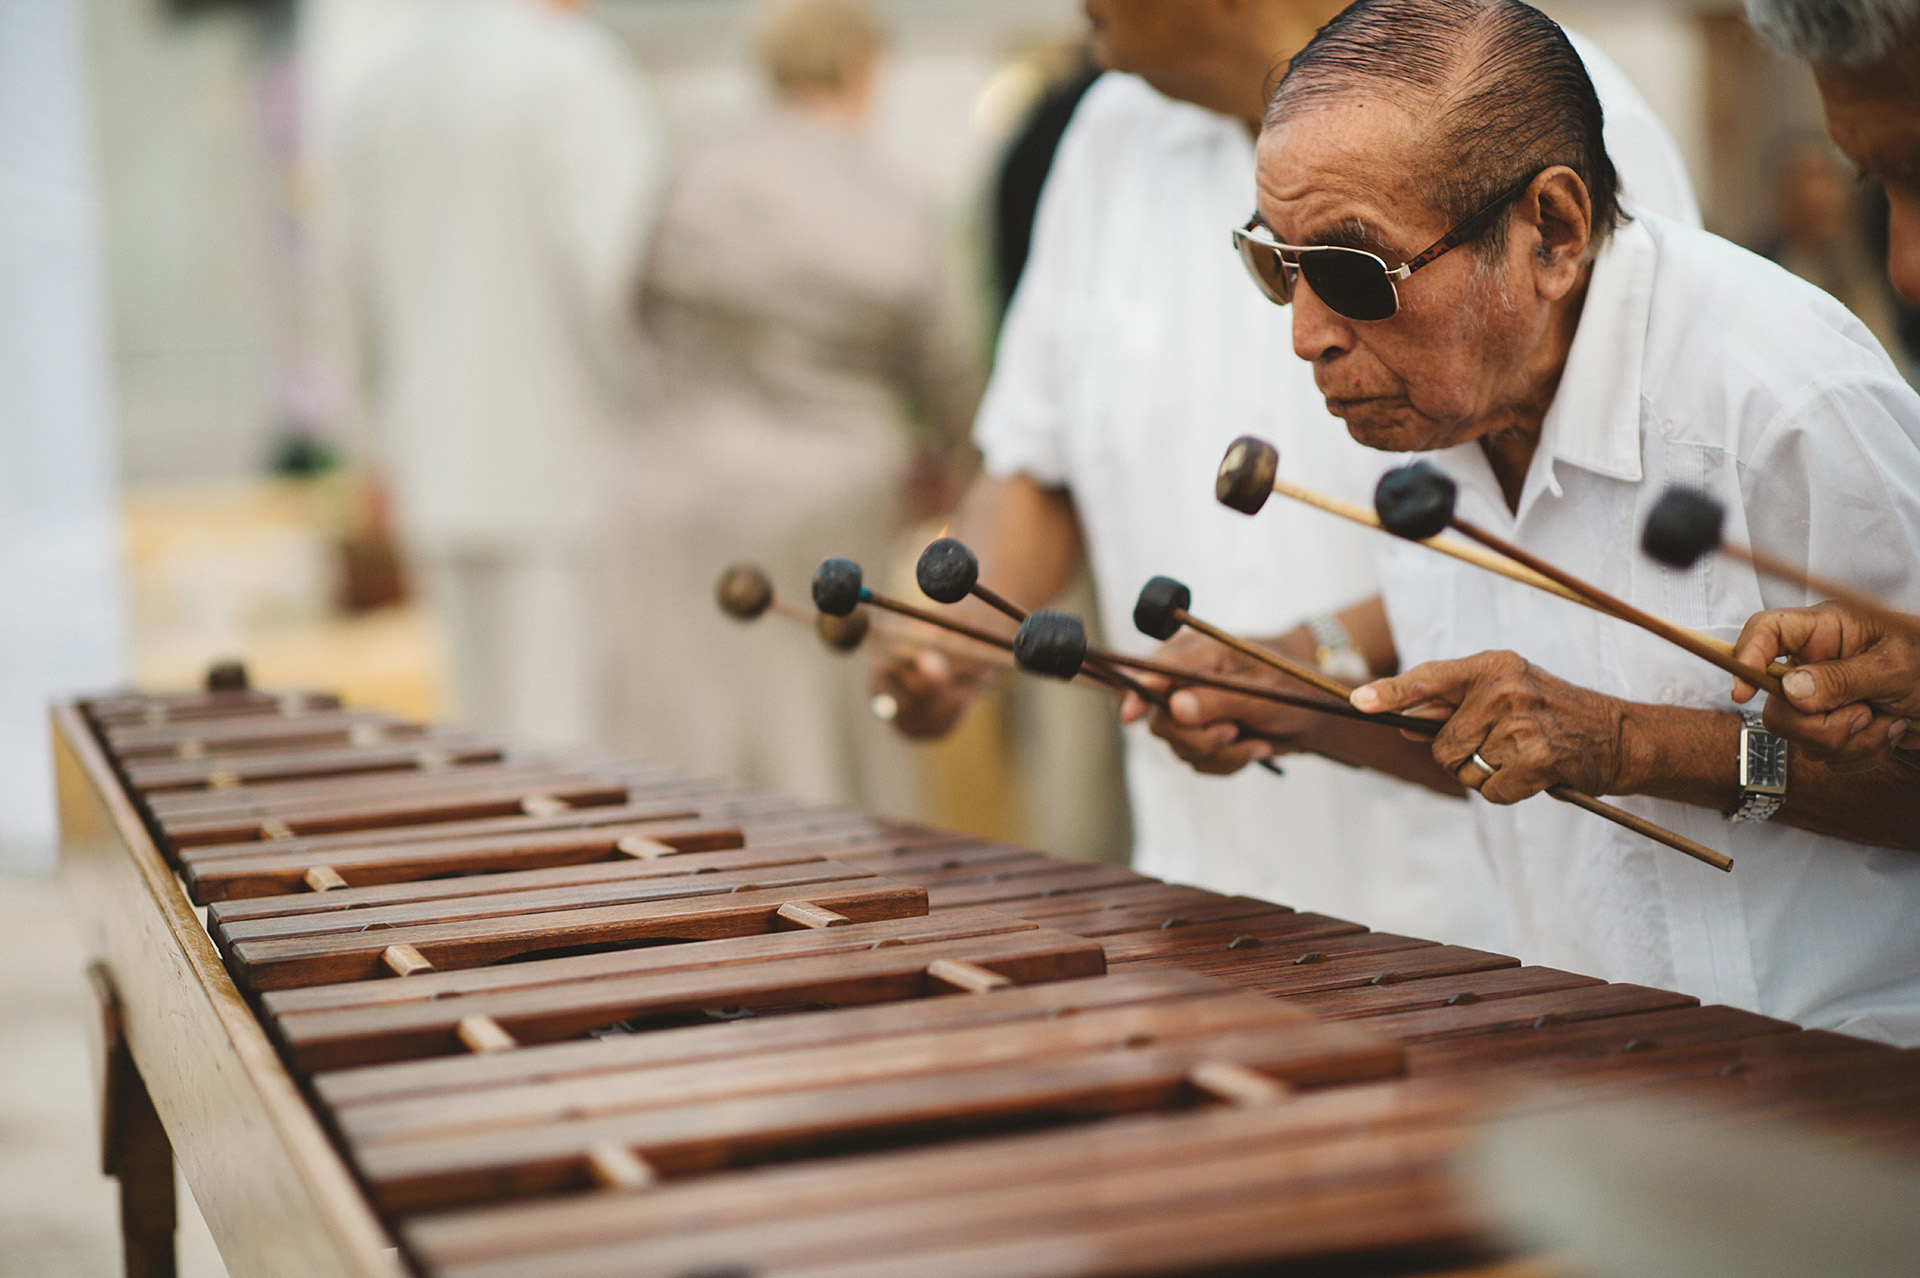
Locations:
{"points": [[62, 627]]}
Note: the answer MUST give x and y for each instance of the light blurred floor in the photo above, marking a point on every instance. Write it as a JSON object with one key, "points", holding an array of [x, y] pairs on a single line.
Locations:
{"points": [[59, 1217]]}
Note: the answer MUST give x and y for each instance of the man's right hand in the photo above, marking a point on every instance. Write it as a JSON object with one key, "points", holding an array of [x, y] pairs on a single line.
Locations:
{"points": [[1856, 689], [931, 691]]}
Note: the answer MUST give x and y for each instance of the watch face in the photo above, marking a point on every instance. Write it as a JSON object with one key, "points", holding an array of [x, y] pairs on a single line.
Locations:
{"points": [[1763, 765]]}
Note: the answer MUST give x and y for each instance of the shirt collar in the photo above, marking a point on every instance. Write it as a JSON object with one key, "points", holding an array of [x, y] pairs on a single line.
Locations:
{"points": [[1594, 421]]}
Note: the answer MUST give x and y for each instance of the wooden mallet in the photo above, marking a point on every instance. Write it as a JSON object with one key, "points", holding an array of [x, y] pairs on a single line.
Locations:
{"points": [[948, 571], [1055, 643], [1417, 501], [1161, 610], [745, 593], [1686, 525]]}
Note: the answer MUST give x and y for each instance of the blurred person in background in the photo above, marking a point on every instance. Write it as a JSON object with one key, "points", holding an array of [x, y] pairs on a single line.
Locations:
{"points": [[1818, 234], [1133, 354], [796, 302], [496, 180]]}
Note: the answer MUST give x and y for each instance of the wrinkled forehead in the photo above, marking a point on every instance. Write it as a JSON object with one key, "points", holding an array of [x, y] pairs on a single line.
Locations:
{"points": [[1347, 164]]}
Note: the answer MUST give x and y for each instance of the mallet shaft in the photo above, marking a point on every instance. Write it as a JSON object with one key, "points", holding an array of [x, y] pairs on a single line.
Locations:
{"points": [[1453, 547], [1680, 636], [1305, 674], [1098, 666]]}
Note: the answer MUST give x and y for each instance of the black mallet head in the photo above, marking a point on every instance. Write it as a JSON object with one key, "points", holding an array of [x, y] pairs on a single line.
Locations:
{"points": [[837, 589], [1051, 643], [1155, 613], [1415, 501], [1685, 524], [743, 592], [947, 571], [844, 634], [1246, 474], [228, 676]]}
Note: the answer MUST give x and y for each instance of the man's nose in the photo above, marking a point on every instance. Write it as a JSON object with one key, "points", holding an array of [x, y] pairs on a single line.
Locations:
{"points": [[1903, 247], [1318, 331]]}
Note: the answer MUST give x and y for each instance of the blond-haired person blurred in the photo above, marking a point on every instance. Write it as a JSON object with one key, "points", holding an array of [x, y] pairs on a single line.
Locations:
{"points": [[795, 299]]}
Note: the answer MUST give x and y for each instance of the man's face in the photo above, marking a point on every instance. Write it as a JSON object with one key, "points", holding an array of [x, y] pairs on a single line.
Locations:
{"points": [[1445, 369], [1874, 116]]}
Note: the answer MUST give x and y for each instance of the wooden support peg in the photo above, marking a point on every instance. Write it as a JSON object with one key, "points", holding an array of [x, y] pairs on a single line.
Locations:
{"points": [[275, 829], [432, 760], [482, 1035], [223, 779], [404, 960], [191, 748], [542, 805], [366, 734], [324, 878], [1236, 1084], [807, 915], [642, 849], [619, 1168], [970, 977]]}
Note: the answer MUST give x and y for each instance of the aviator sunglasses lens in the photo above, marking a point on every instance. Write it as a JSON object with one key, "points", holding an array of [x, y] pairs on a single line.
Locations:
{"points": [[1351, 283], [1264, 263]]}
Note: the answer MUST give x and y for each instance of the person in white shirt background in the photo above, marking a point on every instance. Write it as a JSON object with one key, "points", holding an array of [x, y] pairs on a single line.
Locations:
{"points": [[1133, 353], [1564, 368], [1859, 695], [497, 177]]}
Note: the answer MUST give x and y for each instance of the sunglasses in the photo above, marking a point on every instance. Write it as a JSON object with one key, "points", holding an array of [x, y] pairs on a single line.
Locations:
{"points": [[1352, 282]]}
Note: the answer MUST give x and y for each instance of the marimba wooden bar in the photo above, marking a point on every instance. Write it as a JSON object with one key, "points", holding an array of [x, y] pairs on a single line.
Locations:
{"points": [[413, 1000]]}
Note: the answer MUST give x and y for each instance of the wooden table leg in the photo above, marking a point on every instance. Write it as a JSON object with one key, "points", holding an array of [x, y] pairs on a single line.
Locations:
{"points": [[134, 1148]]}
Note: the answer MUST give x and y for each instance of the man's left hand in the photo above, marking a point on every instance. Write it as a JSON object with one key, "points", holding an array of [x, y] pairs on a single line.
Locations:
{"points": [[1532, 730]]}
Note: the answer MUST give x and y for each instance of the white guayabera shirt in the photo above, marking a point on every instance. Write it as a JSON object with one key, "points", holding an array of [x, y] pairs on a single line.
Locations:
{"points": [[1695, 363], [1134, 353]]}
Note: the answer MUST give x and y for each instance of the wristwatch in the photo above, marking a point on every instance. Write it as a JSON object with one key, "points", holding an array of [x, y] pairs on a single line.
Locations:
{"points": [[1334, 651], [1763, 773]]}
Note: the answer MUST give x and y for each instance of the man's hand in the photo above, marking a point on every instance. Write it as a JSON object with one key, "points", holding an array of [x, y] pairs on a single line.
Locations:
{"points": [[1857, 690], [1532, 730], [931, 691], [1219, 732]]}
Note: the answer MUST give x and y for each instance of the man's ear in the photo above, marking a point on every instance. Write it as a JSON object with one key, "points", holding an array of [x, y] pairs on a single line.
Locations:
{"points": [[1556, 213]]}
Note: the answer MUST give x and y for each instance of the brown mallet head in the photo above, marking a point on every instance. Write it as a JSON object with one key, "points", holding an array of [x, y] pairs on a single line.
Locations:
{"points": [[1246, 474], [844, 634], [743, 592], [947, 571], [1684, 525], [1051, 643], [1415, 501], [1155, 613]]}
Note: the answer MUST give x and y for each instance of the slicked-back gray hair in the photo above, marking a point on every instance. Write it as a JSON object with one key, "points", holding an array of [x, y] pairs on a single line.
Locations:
{"points": [[1841, 33], [1502, 90]]}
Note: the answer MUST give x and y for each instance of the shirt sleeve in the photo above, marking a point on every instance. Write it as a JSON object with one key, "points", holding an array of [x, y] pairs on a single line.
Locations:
{"points": [[1022, 426]]}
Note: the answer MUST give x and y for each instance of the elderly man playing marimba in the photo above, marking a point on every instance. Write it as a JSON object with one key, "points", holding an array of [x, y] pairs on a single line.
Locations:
{"points": [[1439, 209]]}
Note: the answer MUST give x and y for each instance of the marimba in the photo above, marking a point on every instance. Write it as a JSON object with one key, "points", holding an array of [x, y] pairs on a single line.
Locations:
{"points": [[405, 999]]}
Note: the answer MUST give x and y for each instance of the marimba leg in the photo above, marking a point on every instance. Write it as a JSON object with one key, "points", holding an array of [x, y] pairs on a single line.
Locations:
{"points": [[134, 1149]]}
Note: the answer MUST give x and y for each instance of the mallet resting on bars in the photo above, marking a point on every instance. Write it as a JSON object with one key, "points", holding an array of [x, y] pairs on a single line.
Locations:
{"points": [[1417, 501], [1055, 643]]}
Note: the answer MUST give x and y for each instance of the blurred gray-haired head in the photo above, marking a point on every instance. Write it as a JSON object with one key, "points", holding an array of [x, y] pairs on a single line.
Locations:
{"points": [[1841, 33], [813, 45]]}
